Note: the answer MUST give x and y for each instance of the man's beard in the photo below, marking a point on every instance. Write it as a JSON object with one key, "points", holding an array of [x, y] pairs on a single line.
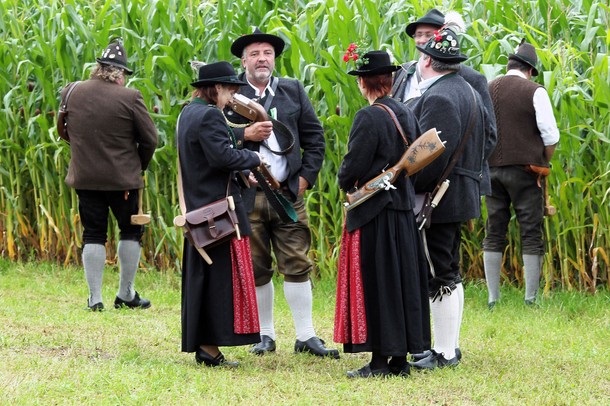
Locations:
{"points": [[261, 75]]}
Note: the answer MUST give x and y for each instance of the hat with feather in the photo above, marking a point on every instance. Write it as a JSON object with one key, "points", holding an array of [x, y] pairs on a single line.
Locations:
{"points": [[444, 45], [526, 53]]}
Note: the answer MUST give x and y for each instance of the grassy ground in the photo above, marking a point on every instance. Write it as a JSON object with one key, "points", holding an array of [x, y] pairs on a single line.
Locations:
{"points": [[53, 351]]}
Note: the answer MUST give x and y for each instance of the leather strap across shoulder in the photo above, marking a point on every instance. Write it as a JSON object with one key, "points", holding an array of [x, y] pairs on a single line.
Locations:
{"points": [[395, 120]]}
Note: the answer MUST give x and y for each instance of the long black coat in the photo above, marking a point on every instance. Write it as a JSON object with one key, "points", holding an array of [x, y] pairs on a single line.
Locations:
{"points": [[448, 105], [207, 160]]}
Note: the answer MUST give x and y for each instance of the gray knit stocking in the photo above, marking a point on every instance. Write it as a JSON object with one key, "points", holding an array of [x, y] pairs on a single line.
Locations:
{"points": [[532, 265], [94, 258], [493, 265], [129, 259]]}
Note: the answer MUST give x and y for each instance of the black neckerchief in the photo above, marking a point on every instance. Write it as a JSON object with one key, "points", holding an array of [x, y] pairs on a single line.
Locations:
{"points": [[269, 97]]}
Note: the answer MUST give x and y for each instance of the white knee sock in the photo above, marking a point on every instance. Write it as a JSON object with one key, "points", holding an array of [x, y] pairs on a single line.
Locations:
{"points": [[94, 258], [445, 320], [531, 265], [299, 298], [264, 300], [492, 261], [459, 290], [129, 259]]}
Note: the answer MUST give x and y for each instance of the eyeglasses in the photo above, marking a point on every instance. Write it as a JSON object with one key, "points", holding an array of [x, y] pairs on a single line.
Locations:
{"points": [[425, 35]]}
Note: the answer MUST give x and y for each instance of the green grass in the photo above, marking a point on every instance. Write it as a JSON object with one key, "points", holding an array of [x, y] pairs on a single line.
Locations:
{"points": [[53, 351], [46, 44]]}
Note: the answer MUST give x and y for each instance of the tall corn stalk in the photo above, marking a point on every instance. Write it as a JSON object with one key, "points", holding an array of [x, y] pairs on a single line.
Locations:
{"points": [[45, 45]]}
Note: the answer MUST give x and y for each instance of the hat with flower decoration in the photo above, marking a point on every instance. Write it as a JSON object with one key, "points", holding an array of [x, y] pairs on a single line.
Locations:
{"points": [[526, 53], [444, 46], [374, 63], [115, 55]]}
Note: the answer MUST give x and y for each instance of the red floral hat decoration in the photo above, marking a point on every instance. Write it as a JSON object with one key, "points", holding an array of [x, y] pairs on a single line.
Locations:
{"points": [[444, 46]]}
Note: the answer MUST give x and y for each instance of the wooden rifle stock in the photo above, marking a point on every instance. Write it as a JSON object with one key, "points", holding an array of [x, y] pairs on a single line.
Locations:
{"points": [[248, 108], [425, 149], [273, 183]]}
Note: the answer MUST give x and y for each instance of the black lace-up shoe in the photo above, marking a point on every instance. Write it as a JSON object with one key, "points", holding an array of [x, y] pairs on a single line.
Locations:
{"points": [[426, 354], [266, 345], [137, 302], [315, 346], [435, 360]]}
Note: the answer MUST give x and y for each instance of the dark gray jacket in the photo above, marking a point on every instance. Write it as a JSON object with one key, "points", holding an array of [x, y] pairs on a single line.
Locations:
{"points": [[296, 111], [447, 105], [479, 83]]}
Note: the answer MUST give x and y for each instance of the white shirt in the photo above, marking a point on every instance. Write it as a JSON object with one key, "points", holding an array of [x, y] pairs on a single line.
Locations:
{"points": [[426, 83], [412, 87], [278, 164], [544, 113]]}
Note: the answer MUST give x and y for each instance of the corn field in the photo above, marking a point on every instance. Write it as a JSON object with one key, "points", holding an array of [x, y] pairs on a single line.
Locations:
{"points": [[46, 44]]}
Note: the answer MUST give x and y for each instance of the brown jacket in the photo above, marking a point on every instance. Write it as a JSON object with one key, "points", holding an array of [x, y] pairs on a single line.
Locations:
{"points": [[112, 137]]}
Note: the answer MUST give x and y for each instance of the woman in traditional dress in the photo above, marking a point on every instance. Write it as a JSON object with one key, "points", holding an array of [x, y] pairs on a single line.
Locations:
{"points": [[218, 299], [382, 291]]}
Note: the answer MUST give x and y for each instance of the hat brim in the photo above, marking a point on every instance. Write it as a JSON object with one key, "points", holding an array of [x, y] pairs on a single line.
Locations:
{"points": [[226, 80], [525, 61], [411, 28], [375, 71], [117, 65], [449, 59], [237, 48]]}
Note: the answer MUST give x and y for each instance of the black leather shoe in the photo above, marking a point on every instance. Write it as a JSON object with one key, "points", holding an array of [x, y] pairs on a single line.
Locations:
{"points": [[98, 307], [315, 346], [367, 372], [399, 366], [426, 354], [202, 356], [137, 302], [435, 360], [267, 344], [420, 356]]}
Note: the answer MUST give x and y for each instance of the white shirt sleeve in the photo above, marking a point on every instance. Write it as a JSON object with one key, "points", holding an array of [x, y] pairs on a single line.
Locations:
{"points": [[545, 118]]}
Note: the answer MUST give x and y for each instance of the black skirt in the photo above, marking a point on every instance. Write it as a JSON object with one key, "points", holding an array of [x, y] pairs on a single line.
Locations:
{"points": [[207, 300], [395, 281]]}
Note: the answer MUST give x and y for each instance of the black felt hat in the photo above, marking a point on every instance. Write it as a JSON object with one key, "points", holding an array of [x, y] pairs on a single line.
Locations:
{"points": [[115, 55], [374, 63], [432, 17], [218, 72], [237, 48], [526, 53], [444, 46]]}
